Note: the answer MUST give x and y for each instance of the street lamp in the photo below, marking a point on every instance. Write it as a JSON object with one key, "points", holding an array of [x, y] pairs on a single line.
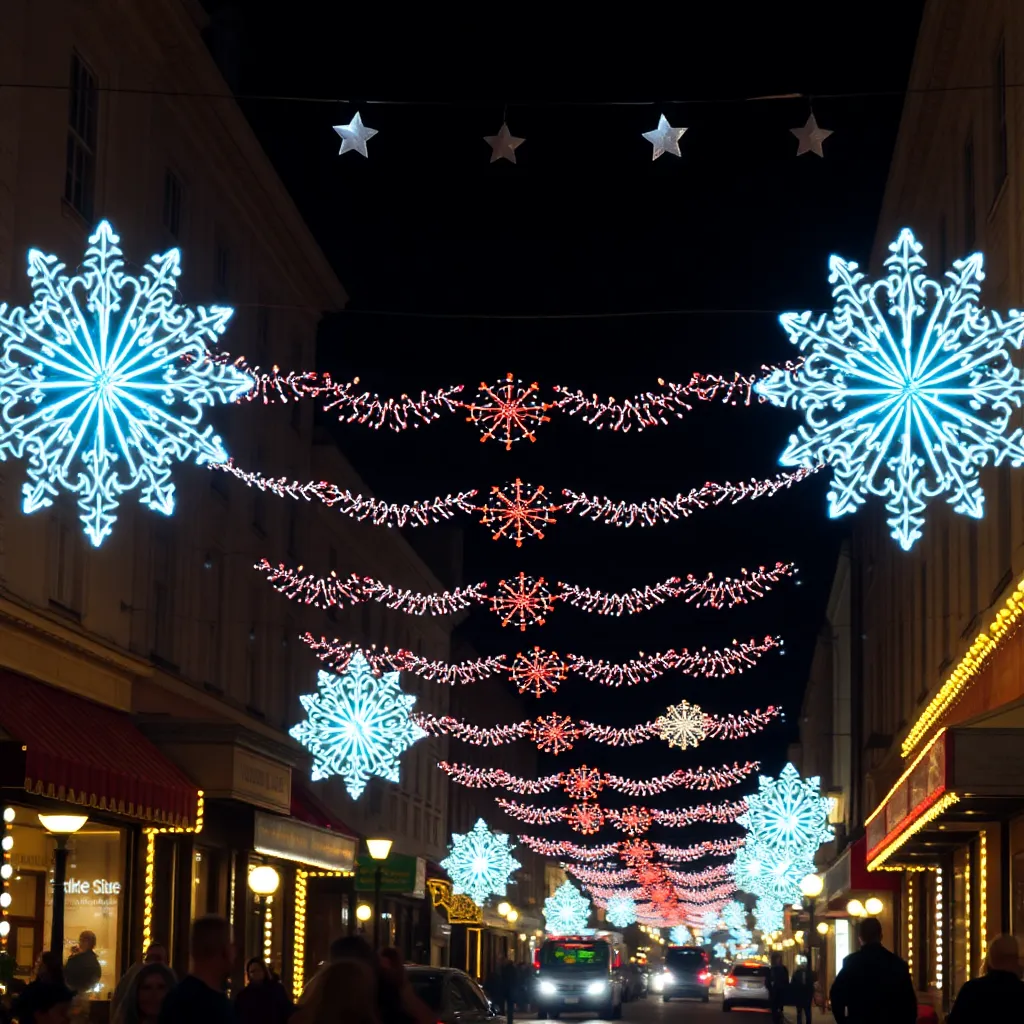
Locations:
{"points": [[364, 912], [61, 827], [379, 850], [856, 909], [874, 906], [810, 888], [263, 881]]}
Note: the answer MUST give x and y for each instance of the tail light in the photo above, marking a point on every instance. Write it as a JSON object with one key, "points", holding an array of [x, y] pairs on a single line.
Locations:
{"points": [[704, 976], [618, 961], [730, 981], [536, 959]]}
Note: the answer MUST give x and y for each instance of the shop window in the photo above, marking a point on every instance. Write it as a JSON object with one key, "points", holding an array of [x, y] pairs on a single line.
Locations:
{"points": [[202, 888]]}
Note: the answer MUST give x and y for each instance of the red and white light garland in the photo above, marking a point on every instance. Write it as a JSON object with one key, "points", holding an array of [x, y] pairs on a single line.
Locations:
{"points": [[588, 817], [708, 848]]}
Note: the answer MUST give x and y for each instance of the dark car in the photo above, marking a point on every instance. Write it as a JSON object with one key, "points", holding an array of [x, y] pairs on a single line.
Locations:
{"points": [[578, 974], [451, 994], [687, 974], [634, 982]]}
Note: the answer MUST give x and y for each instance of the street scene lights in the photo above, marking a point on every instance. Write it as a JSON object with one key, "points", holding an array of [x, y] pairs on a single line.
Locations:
{"points": [[874, 906], [810, 888], [263, 882], [61, 827], [379, 850]]}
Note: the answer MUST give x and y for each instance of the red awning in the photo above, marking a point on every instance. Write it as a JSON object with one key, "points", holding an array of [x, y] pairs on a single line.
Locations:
{"points": [[308, 808], [83, 753]]}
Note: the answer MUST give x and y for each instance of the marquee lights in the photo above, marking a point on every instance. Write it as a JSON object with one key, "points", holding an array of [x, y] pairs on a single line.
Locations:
{"points": [[908, 388], [357, 725], [566, 912], [480, 863], [104, 379]]}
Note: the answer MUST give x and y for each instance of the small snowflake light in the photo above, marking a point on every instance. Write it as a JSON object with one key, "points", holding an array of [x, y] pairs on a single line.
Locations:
{"points": [[567, 912], [769, 913], [508, 411], [104, 379], [585, 818], [908, 388], [480, 863], [620, 911], [357, 726], [554, 733], [720, 951], [734, 915], [522, 601], [516, 511], [539, 671], [680, 935], [683, 725], [771, 872], [788, 813]]}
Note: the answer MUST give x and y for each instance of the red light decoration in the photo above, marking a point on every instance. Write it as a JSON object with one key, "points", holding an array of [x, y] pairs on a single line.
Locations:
{"points": [[718, 873], [517, 510], [583, 783], [585, 818], [710, 848], [636, 853], [532, 815], [634, 821], [553, 733], [600, 876], [588, 817], [525, 601], [507, 412], [539, 671]]}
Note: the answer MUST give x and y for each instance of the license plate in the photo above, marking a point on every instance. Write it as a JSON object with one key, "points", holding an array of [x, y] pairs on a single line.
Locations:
{"points": [[572, 999]]}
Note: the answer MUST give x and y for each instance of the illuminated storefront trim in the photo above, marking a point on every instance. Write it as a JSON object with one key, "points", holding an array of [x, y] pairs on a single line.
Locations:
{"points": [[983, 895], [942, 804], [910, 924], [6, 870], [299, 937]]}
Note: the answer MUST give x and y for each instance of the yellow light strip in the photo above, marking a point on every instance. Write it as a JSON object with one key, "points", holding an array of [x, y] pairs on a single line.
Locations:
{"points": [[967, 913], [147, 898], [983, 897], [299, 939], [268, 930], [903, 778], [910, 924], [939, 918], [6, 871], [945, 801], [969, 666], [909, 868]]}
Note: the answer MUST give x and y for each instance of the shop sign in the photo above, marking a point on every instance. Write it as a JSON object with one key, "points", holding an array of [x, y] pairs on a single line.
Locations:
{"points": [[294, 840], [262, 781], [402, 874]]}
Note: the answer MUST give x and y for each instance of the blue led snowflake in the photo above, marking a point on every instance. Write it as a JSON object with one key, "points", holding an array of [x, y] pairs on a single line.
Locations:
{"points": [[908, 388], [720, 951], [734, 915], [772, 872], [680, 935], [788, 813], [480, 863], [357, 725], [103, 380], [769, 914], [620, 911], [567, 912]]}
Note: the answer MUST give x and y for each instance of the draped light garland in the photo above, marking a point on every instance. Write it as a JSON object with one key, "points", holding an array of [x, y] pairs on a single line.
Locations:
{"points": [[562, 849], [587, 818]]}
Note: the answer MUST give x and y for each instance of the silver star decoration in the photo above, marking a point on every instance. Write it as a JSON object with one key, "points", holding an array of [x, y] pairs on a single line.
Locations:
{"points": [[503, 145], [354, 136], [810, 137], [664, 138]]}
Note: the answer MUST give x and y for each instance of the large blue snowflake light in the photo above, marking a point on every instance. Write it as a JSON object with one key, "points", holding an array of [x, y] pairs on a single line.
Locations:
{"points": [[788, 813], [772, 872], [357, 725], [719, 951], [620, 911], [680, 935], [567, 912], [908, 388], [103, 380], [734, 915], [770, 914], [480, 863]]}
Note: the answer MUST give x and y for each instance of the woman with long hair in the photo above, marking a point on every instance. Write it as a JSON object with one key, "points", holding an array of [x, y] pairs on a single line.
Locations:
{"points": [[341, 993], [145, 995], [263, 1000]]}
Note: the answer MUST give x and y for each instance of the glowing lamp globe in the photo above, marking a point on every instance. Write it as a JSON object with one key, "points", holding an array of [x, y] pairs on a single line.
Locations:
{"points": [[811, 886], [503, 908], [364, 912], [822, 928], [8, 814], [512, 916], [63, 824], [264, 880], [856, 909], [874, 906], [379, 848], [5, 928]]}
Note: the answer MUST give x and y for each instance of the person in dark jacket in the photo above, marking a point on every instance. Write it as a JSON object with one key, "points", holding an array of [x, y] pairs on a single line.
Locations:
{"points": [[778, 986], [82, 971], [801, 988], [874, 986], [996, 995], [509, 986], [263, 1000]]}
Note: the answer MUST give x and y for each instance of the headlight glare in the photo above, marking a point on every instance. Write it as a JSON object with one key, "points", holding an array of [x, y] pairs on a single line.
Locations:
{"points": [[547, 988], [595, 988]]}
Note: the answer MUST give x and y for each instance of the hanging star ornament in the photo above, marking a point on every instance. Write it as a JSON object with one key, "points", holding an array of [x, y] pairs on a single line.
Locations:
{"points": [[907, 388], [480, 863], [503, 145], [664, 138], [354, 136], [810, 137], [357, 725]]}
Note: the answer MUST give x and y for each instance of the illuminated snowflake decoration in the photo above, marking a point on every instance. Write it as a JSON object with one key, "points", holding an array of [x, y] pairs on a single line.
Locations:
{"points": [[539, 671], [517, 511], [769, 914], [620, 911], [683, 725], [719, 951], [772, 872], [480, 863], [103, 382], [522, 601], [634, 821], [554, 733], [585, 818], [636, 852], [907, 388], [680, 935], [567, 912], [357, 725], [583, 783], [734, 915], [507, 412], [788, 813]]}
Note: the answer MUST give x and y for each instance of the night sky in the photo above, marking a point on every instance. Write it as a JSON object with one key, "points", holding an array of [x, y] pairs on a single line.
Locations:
{"points": [[452, 265]]}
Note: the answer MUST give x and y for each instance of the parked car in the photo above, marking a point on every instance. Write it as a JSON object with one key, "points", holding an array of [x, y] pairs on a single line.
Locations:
{"points": [[746, 984], [453, 995], [578, 974], [687, 974]]}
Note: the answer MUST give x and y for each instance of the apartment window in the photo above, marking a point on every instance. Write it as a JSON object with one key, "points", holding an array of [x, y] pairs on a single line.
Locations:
{"points": [[172, 203], [392, 812], [254, 661], [80, 168], [970, 215], [999, 118], [210, 625], [403, 824], [1005, 518], [162, 589], [65, 560], [417, 822], [221, 270]]}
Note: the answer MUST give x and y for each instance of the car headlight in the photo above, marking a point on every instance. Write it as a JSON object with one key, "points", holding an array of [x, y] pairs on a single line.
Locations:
{"points": [[595, 988], [668, 979], [547, 988]]}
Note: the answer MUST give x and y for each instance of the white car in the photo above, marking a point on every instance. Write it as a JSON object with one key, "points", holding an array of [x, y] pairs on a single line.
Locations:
{"points": [[746, 984]]}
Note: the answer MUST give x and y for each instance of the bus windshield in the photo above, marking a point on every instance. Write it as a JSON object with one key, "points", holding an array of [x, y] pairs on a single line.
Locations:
{"points": [[568, 953]]}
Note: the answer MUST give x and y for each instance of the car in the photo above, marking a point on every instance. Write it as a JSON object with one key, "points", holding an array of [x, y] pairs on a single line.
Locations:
{"points": [[746, 984], [687, 974], [451, 994], [634, 982], [577, 974]]}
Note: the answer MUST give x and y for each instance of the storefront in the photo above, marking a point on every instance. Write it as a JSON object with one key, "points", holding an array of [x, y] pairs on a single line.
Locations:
{"points": [[60, 753], [405, 909], [464, 921]]}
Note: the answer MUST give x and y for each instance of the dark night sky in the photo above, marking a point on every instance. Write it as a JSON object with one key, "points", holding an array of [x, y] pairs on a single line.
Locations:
{"points": [[736, 231]]}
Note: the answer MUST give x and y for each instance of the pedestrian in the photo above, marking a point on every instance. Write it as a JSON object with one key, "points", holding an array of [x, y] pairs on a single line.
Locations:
{"points": [[49, 969], [874, 985], [389, 999], [199, 998], [141, 1002], [999, 993], [778, 987], [509, 986], [44, 1002], [802, 990], [156, 953], [394, 972], [344, 992], [524, 977], [82, 972], [263, 1000]]}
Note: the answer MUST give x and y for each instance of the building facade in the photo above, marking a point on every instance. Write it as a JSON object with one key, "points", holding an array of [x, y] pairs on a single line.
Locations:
{"points": [[150, 682]]}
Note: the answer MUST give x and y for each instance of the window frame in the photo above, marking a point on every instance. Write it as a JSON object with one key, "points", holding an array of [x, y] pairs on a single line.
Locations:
{"points": [[82, 136]]}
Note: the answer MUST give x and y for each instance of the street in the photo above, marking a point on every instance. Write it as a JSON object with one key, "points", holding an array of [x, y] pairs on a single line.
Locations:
{"points": [[653, 1011]]}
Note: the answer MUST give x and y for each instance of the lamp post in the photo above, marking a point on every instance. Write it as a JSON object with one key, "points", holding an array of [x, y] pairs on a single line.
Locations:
{"points": [[61, 827], [264, 881], [379, 850], [810, 887]]}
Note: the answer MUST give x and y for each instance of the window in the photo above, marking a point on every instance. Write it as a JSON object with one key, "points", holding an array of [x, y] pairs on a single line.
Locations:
{"points": [[943, 243], [254, 653], [404, 818], [999, 119], [80, 167], [1005, 518], [172, 203], [162, 589], [221, 271], [210, 624], [392, 812], [417, 820], [970, 216], [65, 560]]}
